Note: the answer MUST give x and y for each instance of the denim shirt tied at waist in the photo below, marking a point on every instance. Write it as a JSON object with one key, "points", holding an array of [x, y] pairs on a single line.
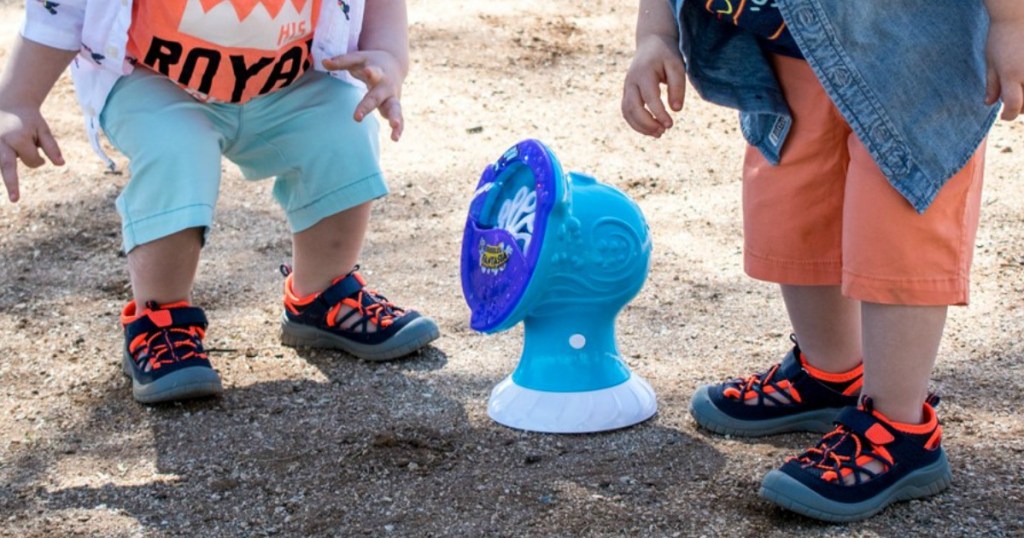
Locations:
{"points": [[908, 77]]}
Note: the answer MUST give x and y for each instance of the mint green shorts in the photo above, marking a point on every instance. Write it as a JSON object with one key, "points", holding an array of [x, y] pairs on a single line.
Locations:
{"points": [[323, 161]]}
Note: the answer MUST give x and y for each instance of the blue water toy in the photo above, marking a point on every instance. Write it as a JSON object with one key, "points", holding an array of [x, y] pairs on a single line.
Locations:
{"points": [[564, 254]]}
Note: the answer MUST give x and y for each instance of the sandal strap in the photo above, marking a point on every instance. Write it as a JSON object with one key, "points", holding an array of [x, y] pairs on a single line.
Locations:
{"points": [[352, 286], [340, 290]]}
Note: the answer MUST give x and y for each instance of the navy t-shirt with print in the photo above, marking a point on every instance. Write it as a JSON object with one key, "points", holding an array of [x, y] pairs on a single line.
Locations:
{"points": [[759, 17]]}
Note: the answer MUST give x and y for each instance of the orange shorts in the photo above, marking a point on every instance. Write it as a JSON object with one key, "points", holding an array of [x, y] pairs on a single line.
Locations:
{"points": [[827, 216]]}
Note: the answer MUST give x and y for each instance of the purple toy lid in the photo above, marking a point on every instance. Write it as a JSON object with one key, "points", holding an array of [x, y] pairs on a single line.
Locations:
{"points": [[508, 218]]}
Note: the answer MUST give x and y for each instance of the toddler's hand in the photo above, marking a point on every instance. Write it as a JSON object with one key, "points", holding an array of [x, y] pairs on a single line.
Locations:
{"points": [[23, 132], [657, 61], [383, 76], [1005, 58]]}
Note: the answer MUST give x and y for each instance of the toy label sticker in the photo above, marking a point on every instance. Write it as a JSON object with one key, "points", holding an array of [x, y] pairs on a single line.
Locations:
{"points": [[494, 258]]}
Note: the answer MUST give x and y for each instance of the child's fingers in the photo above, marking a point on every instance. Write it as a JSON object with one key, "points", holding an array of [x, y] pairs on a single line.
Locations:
{"points": [[392, 111], [636, 114], [359, 68], [382, 98], [50, 147], [675, 76], [353, 62], [25, 148], [651, 94], [9, 171], [642, 122], [368, 104], [1013, 100], [1007, 89]]}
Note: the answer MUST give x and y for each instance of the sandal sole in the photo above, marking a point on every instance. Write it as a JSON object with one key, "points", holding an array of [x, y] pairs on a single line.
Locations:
{"points": [[418, 333], [184, 384], [789, 493], [710, 417]]}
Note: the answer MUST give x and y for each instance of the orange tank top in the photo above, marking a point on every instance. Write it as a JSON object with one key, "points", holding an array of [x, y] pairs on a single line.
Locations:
{"points": [[225, 51]]}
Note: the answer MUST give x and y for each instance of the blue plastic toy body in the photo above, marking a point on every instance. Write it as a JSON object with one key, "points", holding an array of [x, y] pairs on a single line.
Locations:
{"points": [[562, 253]]}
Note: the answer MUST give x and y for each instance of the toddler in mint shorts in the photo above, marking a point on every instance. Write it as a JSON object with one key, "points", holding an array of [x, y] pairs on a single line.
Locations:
{"points": [[284, 90]]}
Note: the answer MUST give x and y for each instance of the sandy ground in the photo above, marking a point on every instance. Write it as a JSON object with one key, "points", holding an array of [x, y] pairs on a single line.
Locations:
{"points": [[306, 443]]}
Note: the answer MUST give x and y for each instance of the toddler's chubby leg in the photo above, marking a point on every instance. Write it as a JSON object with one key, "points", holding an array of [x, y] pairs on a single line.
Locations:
{"points": [[792, 217], [905, 268], [173, 146], [164, 270], [327, 174], [827, 325], [164, 333], [901, 344], [328, 249]]}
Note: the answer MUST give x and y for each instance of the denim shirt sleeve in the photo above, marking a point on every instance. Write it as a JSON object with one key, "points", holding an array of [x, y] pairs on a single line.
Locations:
{"points": [[727, 67]]}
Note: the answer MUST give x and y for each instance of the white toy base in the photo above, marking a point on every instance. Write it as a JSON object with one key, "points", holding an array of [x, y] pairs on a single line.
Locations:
{"points": [[622, 405]]}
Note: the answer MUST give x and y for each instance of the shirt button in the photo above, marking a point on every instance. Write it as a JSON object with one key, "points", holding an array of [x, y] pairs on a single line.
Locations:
{"points": [[897, 161], [805, 17], [881, 134], [841, 76]]}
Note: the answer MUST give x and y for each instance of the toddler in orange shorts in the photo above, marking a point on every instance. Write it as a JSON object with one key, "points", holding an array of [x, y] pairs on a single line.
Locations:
{"points": [[861, 193]]}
